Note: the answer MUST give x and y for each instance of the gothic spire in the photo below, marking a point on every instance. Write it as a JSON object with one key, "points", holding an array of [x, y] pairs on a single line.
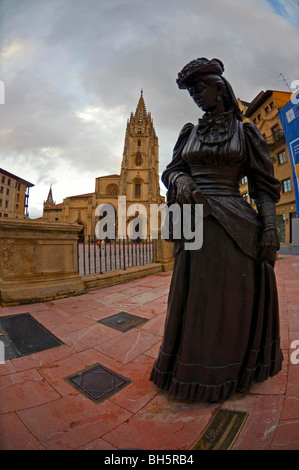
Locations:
{"points": [[141, 113], [50, 199]]}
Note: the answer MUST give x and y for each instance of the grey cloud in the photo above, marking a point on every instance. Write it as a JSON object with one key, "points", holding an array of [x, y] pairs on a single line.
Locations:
{"points": [[101, 53]]}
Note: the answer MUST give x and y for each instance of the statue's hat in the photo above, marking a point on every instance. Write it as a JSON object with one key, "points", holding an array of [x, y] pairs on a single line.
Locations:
{"points": [[198, 67]]}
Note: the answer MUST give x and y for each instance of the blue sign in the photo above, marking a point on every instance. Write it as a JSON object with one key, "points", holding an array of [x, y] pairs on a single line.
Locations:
{"points": [[289, 118]]}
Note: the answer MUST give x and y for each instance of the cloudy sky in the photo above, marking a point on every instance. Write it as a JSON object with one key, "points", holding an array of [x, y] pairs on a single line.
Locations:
{"points": [[73, 71]]}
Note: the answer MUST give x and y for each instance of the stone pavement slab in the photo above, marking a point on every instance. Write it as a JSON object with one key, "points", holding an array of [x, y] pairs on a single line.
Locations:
{"points": [[39, 409]]}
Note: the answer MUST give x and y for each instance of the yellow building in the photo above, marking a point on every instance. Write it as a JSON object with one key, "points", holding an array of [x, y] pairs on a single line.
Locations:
{"points": [[263, 112], [14, 195], [138, 181]]}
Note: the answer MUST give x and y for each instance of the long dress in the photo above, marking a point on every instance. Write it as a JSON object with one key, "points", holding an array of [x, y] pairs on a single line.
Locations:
{"points": [[222, 324]]}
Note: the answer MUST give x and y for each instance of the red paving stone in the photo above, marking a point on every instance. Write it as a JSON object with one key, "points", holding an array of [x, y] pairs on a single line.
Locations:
{"points": [[39, 409], [72, 421], [15, 436], [164, 424]]}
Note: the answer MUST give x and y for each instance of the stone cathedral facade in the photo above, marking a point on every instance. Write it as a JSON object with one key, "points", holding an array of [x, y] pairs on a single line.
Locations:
{"points": [[138, 181]]}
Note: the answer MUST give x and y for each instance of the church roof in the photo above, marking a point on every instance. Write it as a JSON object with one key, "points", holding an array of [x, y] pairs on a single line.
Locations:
{"points": [[82, 195], [55, 207], [110, 176]]}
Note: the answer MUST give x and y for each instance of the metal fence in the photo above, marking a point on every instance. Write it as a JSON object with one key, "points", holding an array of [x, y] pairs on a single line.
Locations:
{"points": [[99, 256]]}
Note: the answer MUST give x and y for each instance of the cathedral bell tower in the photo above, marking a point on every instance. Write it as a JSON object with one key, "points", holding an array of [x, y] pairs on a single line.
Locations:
{"points": [[139, 178], [49, 201]]}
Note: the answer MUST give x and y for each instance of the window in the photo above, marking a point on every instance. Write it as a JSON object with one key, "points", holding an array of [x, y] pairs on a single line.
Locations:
{"points": [[267, 109], [19, 186], [17, 206], [138, 159], [286, 185], [258, 117], [0, 202], [244, 180], [254, 121], [277, 132], [1, 190], [18, 197], [271, 105], [139, 131], [139, 143], [5, 215], [8, 182], [6, 204], [0, 214], [282, 157], [7, 191], [245, 196], [3, 179], [112, 189], [137, 190]]}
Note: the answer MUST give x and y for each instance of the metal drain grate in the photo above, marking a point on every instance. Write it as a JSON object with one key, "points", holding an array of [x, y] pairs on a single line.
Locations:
{"points": [[23, 335], [221, 431], [97, 382], [123, 321]]}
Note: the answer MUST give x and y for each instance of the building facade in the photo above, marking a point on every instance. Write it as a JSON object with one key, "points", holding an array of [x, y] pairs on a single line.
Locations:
{"points": [[263, 112], [14, 196], [138, 181]]}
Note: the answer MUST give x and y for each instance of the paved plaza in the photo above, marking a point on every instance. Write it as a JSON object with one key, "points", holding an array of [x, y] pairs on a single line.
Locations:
{"points": [[41, 409]]}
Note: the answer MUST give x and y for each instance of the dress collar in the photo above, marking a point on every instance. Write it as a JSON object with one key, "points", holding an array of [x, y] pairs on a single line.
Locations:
{"points": [[209, 118]]}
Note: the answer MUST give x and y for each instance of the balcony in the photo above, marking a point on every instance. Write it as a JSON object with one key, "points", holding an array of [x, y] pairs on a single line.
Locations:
{"points": [[276, 138]]}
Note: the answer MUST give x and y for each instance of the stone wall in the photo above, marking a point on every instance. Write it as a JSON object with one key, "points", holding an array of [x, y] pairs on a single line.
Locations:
{"points": [[38, 261]]}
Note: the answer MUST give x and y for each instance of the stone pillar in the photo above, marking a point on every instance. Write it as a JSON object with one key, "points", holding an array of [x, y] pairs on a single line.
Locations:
{"points": [[164, 254], [38, 261]]}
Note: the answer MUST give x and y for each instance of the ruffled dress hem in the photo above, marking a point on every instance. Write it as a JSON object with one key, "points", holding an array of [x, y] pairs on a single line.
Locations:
{"points": [[196, 391]]}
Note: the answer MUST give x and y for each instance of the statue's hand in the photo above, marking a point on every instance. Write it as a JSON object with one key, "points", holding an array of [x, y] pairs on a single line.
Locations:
{"points": [[269, 246], [268, 253], [184, 186]]}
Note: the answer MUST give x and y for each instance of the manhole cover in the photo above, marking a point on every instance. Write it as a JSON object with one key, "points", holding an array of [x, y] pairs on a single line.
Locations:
{"points": [[23, 335], [123, 321], [97, 382]]}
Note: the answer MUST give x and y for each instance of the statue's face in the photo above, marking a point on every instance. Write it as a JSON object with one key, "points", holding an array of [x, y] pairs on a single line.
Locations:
{"points": [[204, 95]]}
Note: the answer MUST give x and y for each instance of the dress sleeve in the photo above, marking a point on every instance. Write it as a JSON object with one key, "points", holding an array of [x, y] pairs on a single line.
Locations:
{"points": [[177, 163], [260, 170]]}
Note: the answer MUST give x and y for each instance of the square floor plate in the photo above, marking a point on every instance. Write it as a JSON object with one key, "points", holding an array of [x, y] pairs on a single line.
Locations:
{"points": [[123, 321], [97, 382], [23, 335]]}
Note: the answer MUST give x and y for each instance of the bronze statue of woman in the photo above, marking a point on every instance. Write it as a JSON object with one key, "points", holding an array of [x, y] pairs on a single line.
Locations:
{"points": [[222, 325]]}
